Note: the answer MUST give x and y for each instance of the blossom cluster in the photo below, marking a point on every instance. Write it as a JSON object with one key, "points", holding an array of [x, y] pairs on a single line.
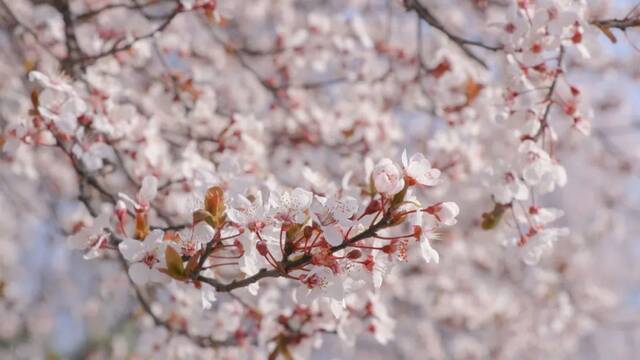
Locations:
{"points": [[257, 181]]}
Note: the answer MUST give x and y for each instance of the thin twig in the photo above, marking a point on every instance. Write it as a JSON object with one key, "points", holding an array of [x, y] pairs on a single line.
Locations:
{"points": [[288, 265], [425, 14]]}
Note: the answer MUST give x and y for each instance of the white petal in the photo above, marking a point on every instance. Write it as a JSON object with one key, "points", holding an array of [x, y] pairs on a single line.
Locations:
{"points": [[139, 273], [153, 275], [448, 213], [149, 189], [208, 297], [332, 235], [337, 308], [253, 288], [203, 233], [154, 239], [131, 249], [301, 198], [237, 216], [428, 253]]}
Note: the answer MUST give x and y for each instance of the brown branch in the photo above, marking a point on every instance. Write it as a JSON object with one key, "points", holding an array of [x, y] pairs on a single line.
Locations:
{"points": [[621, 24], [95, 12], [544, 123], [87, 178], [117, 47], [425, 14], [288, 265], [202, 341], [69, 63], [32, 32]]}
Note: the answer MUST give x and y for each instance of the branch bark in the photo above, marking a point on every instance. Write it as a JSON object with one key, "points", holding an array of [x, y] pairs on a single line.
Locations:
{"points": [[202, 341], [425, 14], [288, 265]]}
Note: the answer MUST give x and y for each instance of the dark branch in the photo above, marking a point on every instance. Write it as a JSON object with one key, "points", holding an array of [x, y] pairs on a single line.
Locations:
{"points": [[290, 265], [426, 15], [622, 24], [202, 341]]}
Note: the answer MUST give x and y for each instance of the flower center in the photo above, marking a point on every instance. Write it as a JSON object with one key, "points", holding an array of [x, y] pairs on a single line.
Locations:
{"points": [[149, 259]]}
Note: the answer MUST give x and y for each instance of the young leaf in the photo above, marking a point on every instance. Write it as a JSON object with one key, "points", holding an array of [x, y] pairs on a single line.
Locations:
{"points": [[491, 219], [142, 226], [214, 204], [174, 262], [192, 263]]}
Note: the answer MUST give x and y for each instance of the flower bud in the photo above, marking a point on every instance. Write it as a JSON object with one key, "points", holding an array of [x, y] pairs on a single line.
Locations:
{"points": [[417, 231], [373, 207], [448, 212], [121, 210], [142, 225], [387, 178], [390, 248], [308, 232], [214, 204], [261, 246]]}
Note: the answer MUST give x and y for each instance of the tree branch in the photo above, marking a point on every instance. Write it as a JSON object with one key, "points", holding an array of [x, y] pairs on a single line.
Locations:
{"points": [[117, 47], [288, 265], [621, 24], [425, 14], [202, 341]]}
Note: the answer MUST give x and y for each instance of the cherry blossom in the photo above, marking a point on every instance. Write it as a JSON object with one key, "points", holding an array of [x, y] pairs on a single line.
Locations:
{"points": [[145, 256], [418, 169], [318, 179], [333, 214], [387, 177], [291, 206]]}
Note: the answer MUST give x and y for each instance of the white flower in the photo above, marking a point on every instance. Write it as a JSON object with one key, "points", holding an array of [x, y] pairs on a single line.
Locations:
{"points": [[208, 297], [59, 102], [187, 4], [582, 125], [250, 264], [51, 83], [383, 324], [146, 256], [387, 178], [202, 233], [426, 250], [148, 190], [419, 169], [250, 214], [13, 138], [544, 216], [543, 240], [291, 206], [360, 29], [91, 237], [506, 185], [331, 213], [447, 213], [93, 157], [320, 282], [539, 169]]}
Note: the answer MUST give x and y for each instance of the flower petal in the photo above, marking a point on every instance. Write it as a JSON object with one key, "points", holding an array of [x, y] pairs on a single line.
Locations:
{"points": [[332, 235], [131, 249], [139, 273]]}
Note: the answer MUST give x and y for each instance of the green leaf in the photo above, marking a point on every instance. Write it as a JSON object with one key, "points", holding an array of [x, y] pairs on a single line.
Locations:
{"points": [[214, 204], [491, 219], [175, 267], [399, 197], [192, 263]]}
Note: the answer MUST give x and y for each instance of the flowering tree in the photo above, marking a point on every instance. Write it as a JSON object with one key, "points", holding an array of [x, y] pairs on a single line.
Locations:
{"points": [[258, 179]]}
